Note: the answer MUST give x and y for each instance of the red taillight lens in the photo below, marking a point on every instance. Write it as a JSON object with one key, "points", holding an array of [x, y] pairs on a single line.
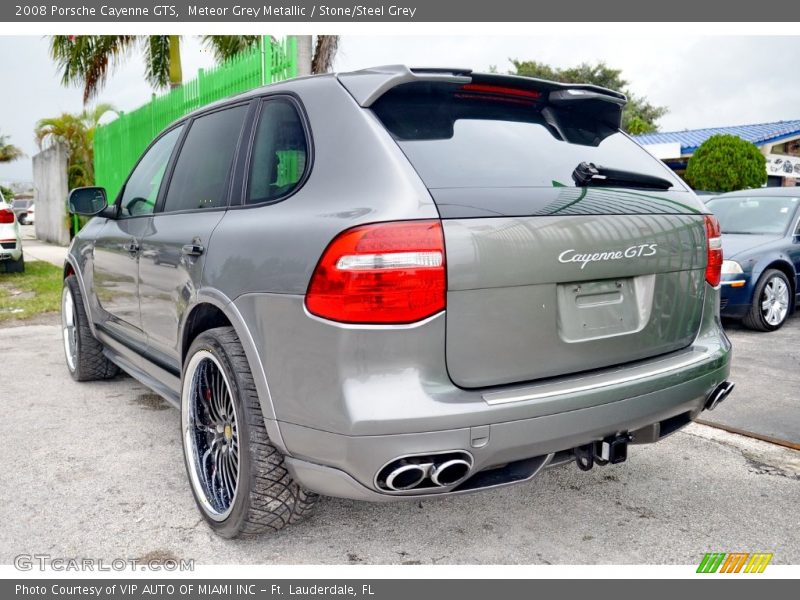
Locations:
{"points": [[714, 246], [387, 273], [6, 216]]}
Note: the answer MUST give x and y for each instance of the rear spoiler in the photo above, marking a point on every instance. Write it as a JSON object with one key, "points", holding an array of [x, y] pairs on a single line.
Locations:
{"points": [[367, 85], [600, 104]]}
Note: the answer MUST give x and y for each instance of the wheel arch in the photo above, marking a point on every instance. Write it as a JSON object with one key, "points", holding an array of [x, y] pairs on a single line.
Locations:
{"points": [[70, 268], [213, 309], [785, 267]]}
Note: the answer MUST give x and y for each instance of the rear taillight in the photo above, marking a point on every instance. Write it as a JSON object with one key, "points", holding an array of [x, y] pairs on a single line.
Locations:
{"points": [[714, 248], [6, 216], [389, 273]]}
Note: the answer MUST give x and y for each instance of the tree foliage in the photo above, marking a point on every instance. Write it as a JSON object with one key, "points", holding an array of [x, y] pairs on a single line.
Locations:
{"points": [[88, 60], [725, 163], [76, 132], [639, 116], [8, 152]]}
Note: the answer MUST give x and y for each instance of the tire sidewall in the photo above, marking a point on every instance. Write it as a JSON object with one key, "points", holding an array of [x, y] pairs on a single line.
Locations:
{"points": [[233, 523], [757, 299], [71, 286]]}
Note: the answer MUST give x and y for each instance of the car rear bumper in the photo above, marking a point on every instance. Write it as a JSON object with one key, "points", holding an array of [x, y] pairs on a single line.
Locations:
{"points": [[346, 466], [347, 401], [11, 253]]}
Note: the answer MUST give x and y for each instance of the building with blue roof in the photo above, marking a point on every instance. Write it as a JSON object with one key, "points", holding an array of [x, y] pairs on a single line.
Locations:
{"points": [[779, 142]]}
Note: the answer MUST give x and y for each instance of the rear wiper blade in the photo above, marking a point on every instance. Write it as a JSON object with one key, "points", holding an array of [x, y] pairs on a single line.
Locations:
{"points": [[588, 174]]}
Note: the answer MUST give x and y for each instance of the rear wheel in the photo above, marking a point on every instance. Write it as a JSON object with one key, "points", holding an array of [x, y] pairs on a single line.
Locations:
{"points": [[237, 476], [84, 354], [771, 302]]}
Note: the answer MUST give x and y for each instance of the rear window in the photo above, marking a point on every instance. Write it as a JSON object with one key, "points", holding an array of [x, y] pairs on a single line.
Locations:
{"points": [[457, 138]]}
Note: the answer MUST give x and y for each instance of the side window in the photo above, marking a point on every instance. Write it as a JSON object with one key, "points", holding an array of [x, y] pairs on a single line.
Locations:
{"points": [[141, 190], [200, 178], [279, 154]]}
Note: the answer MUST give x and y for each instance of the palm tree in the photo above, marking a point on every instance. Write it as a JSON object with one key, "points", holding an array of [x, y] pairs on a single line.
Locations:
{"points": [[8, 152], [76, 132], [88, 59]]}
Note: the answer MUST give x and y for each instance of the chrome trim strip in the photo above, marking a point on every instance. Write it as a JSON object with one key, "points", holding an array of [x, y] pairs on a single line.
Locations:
{"points": [[744, 281], [642, 372], [373, 326]]}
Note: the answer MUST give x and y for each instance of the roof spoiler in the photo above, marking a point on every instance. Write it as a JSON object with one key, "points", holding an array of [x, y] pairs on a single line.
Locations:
{"points": [[367, 85]]}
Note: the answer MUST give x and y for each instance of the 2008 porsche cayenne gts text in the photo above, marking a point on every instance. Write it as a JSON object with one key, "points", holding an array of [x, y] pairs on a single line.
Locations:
{"points": [[399, 283]]}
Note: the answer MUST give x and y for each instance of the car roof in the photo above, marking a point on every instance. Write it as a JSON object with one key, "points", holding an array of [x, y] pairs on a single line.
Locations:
{"points": [[789, 192]]}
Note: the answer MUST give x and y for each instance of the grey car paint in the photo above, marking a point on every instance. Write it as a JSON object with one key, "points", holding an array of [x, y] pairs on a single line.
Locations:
{"points": [[341, 400]]}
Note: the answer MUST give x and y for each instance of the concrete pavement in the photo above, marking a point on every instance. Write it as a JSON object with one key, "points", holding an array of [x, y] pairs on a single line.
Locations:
{"points": [[97, 471], [33, 249]]}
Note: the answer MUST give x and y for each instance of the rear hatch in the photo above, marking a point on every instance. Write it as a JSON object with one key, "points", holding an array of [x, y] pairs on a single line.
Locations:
{"points": [[547, 276]]}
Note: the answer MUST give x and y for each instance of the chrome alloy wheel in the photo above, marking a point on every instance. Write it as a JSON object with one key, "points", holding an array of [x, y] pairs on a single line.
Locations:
{"points": [[69, 328], [210, 435], [775, 301]]}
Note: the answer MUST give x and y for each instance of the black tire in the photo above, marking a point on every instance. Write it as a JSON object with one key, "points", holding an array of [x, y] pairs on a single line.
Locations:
{"points": [[89, 363], [23, 219], [15, 266], [755, 318], [267, 498]]}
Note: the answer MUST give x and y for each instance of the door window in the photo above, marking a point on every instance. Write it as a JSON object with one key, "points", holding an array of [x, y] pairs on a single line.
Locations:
{"points": [[141, 190], [280, 153], [200, 178]]}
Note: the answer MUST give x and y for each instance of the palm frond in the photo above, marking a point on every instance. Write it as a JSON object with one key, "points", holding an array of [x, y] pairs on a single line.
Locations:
{"points": [[224, 47], [156, 60], [87, 59], [9, 152]]}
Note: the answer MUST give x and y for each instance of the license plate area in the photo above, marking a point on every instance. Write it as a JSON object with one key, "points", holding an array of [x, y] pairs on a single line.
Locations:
{"points": [[590, 310]]}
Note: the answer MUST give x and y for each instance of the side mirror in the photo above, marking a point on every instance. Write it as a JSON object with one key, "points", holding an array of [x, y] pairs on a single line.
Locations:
{"points": [[87, 201]]}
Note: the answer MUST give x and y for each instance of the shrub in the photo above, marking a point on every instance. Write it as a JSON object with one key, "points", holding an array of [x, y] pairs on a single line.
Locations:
{"points": [[725, 163]]}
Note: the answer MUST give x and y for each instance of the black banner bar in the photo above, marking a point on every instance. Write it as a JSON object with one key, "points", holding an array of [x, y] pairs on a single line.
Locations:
{"points": [[745, 587], [260, 11]]}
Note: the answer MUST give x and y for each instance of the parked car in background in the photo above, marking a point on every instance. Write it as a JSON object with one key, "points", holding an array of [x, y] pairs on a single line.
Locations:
{"points": [[22, 208], [406, 311], [11, 258], [761, 247], [30, 217]]}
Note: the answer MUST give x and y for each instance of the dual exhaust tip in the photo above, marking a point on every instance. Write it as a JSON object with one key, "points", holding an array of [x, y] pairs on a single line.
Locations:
{"points": [[411, 472], [722, 391]]}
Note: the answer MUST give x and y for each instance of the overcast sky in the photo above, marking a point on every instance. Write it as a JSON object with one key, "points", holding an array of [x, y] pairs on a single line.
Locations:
{"points": [[705, 81]]}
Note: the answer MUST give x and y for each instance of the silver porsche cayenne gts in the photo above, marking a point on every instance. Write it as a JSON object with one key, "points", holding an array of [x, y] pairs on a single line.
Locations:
{"points": [[399, 283]]}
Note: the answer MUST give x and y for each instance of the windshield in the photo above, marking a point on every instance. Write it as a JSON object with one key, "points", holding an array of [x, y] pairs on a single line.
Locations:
{"points": [[754, 215]]}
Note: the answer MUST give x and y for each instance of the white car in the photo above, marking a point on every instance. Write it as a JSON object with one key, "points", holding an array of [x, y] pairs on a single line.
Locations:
{"points": [[11, 257]]}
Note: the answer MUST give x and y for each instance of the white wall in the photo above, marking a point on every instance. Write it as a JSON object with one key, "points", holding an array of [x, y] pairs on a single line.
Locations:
{"points": [[50, 194]]}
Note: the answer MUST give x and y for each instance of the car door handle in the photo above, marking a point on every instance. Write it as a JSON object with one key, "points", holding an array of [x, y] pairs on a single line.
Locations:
{"points": [[193, 249], [132, 247]]}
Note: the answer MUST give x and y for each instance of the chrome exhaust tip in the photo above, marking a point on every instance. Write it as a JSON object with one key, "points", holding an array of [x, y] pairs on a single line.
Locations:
{"points": [[450, 472], [405, 477], [425, 472], [722, 391]]}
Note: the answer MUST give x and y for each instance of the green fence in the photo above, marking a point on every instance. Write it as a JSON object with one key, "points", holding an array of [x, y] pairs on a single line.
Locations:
{"points": [[118, 145]]}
